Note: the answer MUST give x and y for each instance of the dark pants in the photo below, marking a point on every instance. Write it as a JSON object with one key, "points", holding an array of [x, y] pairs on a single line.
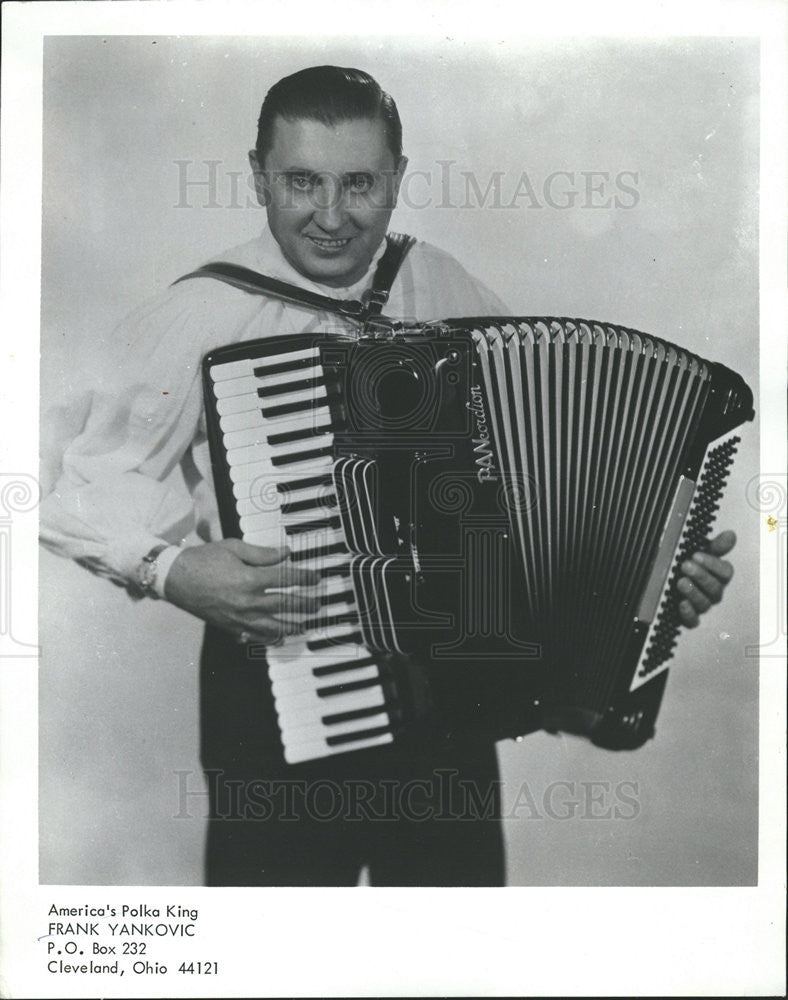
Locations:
{"points": [[420, 812]]}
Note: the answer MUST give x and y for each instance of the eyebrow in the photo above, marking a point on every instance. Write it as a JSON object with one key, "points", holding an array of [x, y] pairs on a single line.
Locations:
{"points": [[306, 172]]}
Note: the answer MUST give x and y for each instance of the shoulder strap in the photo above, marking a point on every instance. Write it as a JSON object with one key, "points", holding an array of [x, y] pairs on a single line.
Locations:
{"points": [[245, 278], [398, 245]]}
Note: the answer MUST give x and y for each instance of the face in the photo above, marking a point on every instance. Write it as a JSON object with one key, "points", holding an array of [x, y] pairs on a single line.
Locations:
{"points": [[329, 192]]}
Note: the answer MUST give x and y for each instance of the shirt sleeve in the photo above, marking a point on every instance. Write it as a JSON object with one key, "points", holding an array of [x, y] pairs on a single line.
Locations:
{"points": [[116, 490], [433, 285]]}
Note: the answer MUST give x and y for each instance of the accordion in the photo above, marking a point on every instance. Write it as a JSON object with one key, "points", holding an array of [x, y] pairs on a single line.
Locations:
{"points": [[497, 508]]}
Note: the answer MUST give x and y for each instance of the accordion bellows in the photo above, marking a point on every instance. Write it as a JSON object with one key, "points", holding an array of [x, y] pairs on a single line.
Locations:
{"points": [[499, 508]]}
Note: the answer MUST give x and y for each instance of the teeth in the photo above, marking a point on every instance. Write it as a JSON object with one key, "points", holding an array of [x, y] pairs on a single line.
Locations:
{"points": [[329, 243]]}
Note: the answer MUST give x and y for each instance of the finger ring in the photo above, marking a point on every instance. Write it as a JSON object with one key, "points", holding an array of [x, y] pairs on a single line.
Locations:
{"points": [[244, 638]]}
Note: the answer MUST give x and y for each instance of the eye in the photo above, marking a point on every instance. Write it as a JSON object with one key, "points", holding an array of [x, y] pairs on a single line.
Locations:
{"points": [[300, 182], [360, 183]]}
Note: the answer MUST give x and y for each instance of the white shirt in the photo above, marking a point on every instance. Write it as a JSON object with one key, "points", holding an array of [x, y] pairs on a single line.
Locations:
{"points": [[139, 473]]}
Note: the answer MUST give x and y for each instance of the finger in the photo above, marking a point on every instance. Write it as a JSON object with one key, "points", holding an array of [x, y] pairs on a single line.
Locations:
{"points": [[282, 576], [267, 629], [722, 544], [288, 604], [699, 601], [261, 636], [720, 568], [688, 614], [705, 581], [257, 555]]}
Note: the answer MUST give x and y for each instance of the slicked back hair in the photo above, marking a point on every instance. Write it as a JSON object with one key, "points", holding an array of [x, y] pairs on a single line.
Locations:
{"points": [[328, 94]]}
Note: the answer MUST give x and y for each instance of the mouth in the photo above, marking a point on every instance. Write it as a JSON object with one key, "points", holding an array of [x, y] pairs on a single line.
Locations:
{"points": [[328, 245]]}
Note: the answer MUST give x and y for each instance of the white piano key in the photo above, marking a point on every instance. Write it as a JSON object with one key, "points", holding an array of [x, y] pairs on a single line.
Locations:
{"points": [[308, 683], [232, 370], [258, 520], [245, 436], [312, 751], [307, 661], [250, 488], [334, 585], [263, 503], [306, 704], [295, 670], [342, 630], [251, 453], [253, 524], [308, 734], [306, 420], [247, 366], [238, 404], [333, 611], [287, 378], [325, 491], [295, 517], [309, 467], [295, 736], [239, 421], [269, 538], [286, 357], [332, 561], [335, 704], [286, 398], [298, 646], [266, 498], [324, 440], [306, 540], [250, 471], [243, 386]]}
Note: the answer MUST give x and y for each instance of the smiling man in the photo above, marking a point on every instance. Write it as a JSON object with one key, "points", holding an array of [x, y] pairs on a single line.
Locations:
{"points": [[329, 191], [327, 164]]}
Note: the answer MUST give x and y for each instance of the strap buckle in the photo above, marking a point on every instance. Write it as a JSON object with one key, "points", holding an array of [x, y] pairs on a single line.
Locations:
{"points": [[350, 307]]}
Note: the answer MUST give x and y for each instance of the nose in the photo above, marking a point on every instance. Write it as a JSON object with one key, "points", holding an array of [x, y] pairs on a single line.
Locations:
{"points": [[330, 211]]}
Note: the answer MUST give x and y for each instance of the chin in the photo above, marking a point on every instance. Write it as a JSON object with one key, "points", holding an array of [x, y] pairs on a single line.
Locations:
{"points": [[332, 272]]}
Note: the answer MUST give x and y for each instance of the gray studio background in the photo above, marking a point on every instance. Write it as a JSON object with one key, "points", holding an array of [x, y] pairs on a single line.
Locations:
{"points": [[127, 119]]}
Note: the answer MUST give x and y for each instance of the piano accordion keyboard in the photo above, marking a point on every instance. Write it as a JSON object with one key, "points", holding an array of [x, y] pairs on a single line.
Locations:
{"points": [[276, 428]]}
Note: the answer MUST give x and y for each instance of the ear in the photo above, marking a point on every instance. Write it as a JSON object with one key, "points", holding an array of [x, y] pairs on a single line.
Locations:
{"points": [[398, 175], [260, 180]]}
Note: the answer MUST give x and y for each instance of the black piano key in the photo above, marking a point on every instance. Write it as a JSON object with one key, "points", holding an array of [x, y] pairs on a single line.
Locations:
{"points": [[360, 734], [336, 668], [346, 687], [319, 623], [301, 406], [318, 524], [301, 456], [269, 391], [305, 483], [313, 503], [320, 550], [345, 596], [356, 713], [335, 640], [287, 366], [298, 435]]}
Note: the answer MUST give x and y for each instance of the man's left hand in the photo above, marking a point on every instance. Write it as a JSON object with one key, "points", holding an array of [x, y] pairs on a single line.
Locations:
{"points": [[704, 578]]}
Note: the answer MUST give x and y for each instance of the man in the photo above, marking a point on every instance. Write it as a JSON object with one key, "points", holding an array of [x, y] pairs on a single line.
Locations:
{"points": [[328, 165]]}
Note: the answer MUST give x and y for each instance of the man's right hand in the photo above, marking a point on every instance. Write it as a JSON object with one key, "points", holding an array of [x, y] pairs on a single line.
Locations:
{"points": [[228, 584]]}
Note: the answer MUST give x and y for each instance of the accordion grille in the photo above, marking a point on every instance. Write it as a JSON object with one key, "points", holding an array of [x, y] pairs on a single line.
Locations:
{"points": [[591, 425]]}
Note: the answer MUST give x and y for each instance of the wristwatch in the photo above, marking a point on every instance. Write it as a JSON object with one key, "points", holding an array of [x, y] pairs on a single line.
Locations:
{"points": [[145, 573]]}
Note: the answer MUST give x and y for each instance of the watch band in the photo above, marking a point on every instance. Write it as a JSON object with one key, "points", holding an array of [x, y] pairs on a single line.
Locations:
{"points": [[145, 574]]}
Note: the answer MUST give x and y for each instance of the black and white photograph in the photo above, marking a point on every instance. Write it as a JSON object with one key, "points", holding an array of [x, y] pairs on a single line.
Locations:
{"points": [[409, 517]]}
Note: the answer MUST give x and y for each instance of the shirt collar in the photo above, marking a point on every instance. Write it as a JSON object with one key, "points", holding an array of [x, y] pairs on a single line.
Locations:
{"points": [[274, 263]]}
